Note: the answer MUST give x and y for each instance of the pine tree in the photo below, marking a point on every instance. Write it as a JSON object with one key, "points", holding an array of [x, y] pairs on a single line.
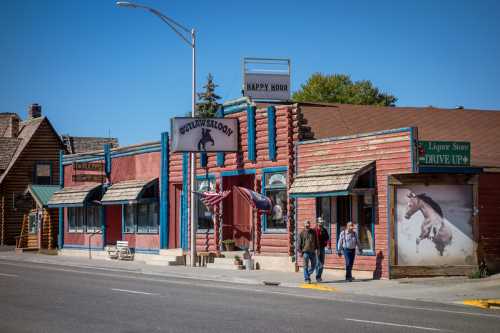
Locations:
{"points": [[208, 105]]}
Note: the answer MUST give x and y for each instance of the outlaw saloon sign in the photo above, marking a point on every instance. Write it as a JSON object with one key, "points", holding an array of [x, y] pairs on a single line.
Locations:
{"points": [[443, 153], [204, 135]]}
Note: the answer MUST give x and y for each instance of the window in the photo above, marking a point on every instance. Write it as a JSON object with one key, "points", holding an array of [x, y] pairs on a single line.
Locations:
{"points": [[141, 218], [76, 219], [343, 213], [204, 215], [275, 189], [32, 224], [43, 173], [365, 222], [324, 210], [93, 221]]}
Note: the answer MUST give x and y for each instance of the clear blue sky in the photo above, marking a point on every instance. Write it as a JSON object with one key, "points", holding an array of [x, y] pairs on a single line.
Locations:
{"points": [[97, 68]]}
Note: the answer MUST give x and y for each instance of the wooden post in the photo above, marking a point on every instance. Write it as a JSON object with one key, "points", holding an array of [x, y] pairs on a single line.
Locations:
{"points": [[49, 225]]}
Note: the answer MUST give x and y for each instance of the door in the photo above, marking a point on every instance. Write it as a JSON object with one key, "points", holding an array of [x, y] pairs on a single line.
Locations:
{"points": [[237, 212], [113, 224], [174, 221]]}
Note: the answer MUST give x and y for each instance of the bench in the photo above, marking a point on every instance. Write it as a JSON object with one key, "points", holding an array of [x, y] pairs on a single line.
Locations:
{"points": [[205, 257], [120, 251]]}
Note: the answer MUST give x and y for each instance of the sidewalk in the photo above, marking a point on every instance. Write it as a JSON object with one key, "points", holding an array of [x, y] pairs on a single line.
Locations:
{"points": [[441, 289]]}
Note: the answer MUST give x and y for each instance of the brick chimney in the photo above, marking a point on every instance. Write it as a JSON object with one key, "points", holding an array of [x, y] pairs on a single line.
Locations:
{"points": [[34, 111], [13, 129]]}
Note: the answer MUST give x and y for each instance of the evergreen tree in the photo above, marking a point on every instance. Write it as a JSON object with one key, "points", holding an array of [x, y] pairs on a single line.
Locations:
{"points": [[208, 105]]}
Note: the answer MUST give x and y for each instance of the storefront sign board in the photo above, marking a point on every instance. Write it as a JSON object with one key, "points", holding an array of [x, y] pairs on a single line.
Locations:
{"points": [[443, 153], [204, 135]]}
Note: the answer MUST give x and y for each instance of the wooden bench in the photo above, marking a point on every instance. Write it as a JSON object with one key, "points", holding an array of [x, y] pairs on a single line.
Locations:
{"points": [[204, 258], [120, 251]]}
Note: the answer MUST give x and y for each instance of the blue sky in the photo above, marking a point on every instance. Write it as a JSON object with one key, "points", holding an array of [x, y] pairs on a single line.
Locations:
{"points": [[99, 69]]}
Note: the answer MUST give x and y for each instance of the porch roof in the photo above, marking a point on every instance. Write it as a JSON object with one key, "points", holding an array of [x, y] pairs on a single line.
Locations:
{"points": [[127, 192], [73, 196], [331, 179], [41, 193]]}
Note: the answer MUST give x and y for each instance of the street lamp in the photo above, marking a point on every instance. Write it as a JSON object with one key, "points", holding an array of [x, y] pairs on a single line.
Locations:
{"points": [[188, 36]]}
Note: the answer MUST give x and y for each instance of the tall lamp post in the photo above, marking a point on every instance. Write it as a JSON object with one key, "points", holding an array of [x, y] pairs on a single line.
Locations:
{"points": [[188, 36]]}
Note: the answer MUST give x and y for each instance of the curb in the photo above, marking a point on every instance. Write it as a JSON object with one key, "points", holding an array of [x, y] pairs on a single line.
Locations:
{"points": [[483, 303], [316, 286]]}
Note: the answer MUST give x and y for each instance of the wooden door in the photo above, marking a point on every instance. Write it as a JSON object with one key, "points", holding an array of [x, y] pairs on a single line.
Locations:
{"points": [[174, 221], [113, 224], [237, 212]]}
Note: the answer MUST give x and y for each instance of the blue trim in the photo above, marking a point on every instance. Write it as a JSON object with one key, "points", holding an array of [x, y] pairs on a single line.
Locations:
{"points": [[60, 236], [102, 217], [413, 149], [184, 202], [251, 133], [203, 159], [319, 194], [62, 205], [296, 236], [220, 155], [89, 159], [235, 108], [69, 159], [238, 172], [203, 177], [271, 132], [466, 170], [107, 159], [82, 247], [275, 169], [164, 199], [147, 251], [356, 136]]}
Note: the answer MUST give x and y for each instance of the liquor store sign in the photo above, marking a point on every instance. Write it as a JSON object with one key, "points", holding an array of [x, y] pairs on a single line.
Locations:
{"points": [[443, 153]]}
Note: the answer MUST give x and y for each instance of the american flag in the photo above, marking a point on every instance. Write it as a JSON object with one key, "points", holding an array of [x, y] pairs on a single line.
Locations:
{"points": [[212, 199], [261, 203]]}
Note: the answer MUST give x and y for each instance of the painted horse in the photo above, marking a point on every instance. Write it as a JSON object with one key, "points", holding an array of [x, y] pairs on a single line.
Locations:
{"points": [[433, 227], [205, 138]]}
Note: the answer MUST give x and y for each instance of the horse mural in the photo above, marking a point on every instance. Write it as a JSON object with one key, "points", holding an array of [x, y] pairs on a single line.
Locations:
{"points": [[205, 138], [433, 227]]}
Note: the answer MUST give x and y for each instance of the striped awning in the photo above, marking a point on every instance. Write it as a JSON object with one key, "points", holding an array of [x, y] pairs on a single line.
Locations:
{"points": [[127, 192], [75, 196], [330, 179]]}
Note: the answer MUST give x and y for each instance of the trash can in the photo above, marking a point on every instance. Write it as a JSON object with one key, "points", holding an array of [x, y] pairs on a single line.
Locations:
{"points": [[249, 264]]}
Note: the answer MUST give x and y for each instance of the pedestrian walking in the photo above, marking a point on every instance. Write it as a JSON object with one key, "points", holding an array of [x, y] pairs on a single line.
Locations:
{"points": [[308, 245], [348, 242], [323, 238]]}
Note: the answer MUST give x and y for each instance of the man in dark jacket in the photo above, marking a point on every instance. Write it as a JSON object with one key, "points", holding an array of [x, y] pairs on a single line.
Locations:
{"points": [[323, 238], [308, 244]]}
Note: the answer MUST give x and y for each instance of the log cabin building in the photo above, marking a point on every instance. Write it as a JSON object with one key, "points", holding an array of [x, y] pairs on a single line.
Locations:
{"points": [[29, 156], [340, 162]]}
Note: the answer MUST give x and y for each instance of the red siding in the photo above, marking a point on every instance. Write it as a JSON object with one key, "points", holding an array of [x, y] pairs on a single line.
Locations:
{"points": [[489, 219], [392, 153]]}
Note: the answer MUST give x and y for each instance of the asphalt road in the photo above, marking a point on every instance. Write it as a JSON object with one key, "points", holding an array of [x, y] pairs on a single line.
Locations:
{"points": [[55, 298]]}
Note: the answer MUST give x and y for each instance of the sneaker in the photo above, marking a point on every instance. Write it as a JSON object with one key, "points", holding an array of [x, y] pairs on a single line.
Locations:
{"points": [[308, 281], [319, 279]]}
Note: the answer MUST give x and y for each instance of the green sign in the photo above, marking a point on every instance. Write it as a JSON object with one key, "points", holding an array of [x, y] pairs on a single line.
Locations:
{"points": [[443, 153]]}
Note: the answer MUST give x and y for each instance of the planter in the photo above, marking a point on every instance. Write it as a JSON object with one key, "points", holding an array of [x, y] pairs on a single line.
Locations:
{"points": [[229, 246]]}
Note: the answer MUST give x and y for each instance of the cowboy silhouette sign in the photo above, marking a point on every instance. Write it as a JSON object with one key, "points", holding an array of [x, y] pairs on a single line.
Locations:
{"points": [[205, 138]]}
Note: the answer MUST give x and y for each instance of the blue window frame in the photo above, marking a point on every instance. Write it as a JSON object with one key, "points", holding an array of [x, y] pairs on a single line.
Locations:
{"points": [[274, 186], [141, 218]]}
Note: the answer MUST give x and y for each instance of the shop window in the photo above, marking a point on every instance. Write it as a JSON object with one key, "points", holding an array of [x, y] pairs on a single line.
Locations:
{"points": [[204, 215], [343, 213], [365, 223], [275, 189], [76, 219], [42, 173], [93, 220], [324, 210], [141, 218]]}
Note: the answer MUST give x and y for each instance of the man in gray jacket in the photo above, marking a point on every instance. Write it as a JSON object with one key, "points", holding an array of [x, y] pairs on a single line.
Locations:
{"points": [[308, 244]]}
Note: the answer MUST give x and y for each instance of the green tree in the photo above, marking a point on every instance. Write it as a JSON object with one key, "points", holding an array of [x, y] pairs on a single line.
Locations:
{"points": [[208, 105], [339, 88]]}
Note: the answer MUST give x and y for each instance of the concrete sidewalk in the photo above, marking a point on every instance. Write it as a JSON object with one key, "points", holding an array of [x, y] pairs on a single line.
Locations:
{"points": [[441, 290]]}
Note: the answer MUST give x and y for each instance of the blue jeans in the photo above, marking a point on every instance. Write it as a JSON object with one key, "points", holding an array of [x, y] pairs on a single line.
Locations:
{"points": [[309, 257], [349, 256], [321, 263]]}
